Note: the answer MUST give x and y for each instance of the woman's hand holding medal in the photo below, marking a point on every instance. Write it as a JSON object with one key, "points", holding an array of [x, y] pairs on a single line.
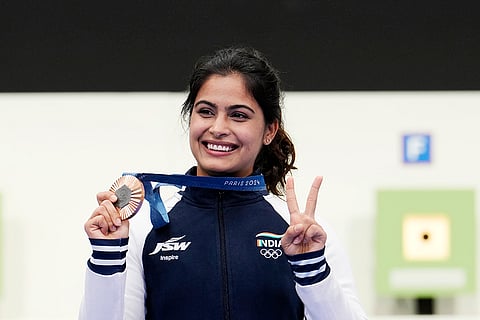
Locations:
{"points": [[121, 202], [105, 221]]}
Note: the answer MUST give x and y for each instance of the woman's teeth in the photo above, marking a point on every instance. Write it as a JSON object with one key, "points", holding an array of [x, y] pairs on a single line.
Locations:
{"points": [[217, 147]]}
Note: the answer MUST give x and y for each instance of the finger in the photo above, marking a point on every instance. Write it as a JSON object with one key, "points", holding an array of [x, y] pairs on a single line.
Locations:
{"points": [[113, 212], [95, 224], [106, 195], [107, 214], [291, 197], [316, 233], [106, 218], [103, 225], [293, 235], [312, 197]]}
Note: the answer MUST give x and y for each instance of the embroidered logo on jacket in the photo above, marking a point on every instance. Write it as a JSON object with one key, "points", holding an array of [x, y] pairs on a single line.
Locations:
{"points": [[269, 245], [171, 245]]}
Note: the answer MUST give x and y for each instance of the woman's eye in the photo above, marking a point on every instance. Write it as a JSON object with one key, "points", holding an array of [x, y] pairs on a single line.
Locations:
{"points": [[205, 112], [239, 116]]}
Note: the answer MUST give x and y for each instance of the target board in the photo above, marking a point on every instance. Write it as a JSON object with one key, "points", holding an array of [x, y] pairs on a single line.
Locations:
{"points": [[425, 242]]}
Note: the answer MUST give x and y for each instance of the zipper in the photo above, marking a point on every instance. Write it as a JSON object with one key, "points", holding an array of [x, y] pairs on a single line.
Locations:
{"points": [[223, 258]]}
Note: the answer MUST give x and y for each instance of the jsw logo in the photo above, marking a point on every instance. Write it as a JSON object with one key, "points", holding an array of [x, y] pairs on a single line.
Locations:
{"points": [[172, 244]]}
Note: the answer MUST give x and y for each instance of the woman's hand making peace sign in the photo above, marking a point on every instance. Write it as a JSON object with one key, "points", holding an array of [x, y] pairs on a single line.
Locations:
{"points": [[304, 234]]}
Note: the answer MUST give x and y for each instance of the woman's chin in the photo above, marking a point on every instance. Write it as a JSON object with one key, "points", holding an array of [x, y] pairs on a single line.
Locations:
{"points": [[219, 172]]}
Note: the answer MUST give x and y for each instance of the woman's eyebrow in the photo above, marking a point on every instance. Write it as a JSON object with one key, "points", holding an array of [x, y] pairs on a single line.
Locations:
{"points": [[241, 106], [211, 104]]}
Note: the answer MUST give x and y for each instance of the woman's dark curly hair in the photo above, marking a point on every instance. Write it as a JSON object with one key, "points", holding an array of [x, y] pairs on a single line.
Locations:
{"points": [[276, 159]]}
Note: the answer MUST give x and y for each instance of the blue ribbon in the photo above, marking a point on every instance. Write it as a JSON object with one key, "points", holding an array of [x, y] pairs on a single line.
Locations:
{"points": [[158, 212]]}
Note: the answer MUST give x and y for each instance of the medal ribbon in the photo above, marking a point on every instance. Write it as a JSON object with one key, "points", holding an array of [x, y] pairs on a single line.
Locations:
{"points": [[158, 212]]}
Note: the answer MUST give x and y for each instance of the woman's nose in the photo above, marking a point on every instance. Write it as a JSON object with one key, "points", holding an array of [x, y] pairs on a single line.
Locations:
{"points": [[219, 127]]}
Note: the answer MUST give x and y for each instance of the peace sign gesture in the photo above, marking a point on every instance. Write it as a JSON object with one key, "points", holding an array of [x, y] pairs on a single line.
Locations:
{"points": [[304, 234]]}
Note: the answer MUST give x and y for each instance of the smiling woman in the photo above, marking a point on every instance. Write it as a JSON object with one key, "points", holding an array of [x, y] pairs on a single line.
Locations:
{"points": [[213, 253], [227, 128], [254, 95]]}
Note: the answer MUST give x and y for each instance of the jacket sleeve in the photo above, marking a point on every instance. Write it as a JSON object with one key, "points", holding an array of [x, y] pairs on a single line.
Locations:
{"points": [[115, 288], [105, 281], [329, 291], [112, 292]]}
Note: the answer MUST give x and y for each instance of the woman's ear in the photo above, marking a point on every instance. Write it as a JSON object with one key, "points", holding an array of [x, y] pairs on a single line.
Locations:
{"points": [[270, 132]]}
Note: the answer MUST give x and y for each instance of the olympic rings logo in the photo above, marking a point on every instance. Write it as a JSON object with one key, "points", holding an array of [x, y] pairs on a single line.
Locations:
{"points": [[271, 253]]}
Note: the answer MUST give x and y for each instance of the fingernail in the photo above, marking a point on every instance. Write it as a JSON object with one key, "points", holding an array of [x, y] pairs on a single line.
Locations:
{"points": [[118, 222]]}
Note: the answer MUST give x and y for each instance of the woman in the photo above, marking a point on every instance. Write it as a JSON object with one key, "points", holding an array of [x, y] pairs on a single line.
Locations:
{"points": [[221, 256]]}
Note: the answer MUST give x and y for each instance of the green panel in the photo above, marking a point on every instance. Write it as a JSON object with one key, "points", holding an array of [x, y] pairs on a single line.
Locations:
{"points": [[434, 206]]}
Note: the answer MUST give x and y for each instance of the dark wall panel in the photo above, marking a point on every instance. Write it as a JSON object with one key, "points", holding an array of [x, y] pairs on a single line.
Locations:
{"points": [[317, 45]]}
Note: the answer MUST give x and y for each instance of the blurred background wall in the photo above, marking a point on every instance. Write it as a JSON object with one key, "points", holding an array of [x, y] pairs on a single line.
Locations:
{"points": [[59, 150]]}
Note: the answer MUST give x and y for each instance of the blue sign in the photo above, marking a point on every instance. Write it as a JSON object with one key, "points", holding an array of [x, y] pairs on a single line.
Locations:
{"points": [[416, 148]]}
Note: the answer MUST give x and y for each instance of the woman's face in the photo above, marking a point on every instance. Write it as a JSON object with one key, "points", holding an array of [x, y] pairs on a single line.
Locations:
{"points": [[227, 128]]}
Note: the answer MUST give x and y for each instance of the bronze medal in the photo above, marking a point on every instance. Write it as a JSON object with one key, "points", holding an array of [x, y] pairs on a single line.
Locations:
{"points": [[130, 193]]}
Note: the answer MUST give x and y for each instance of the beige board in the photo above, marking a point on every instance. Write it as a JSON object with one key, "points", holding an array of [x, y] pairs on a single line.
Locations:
{"points": [[426, 237]]}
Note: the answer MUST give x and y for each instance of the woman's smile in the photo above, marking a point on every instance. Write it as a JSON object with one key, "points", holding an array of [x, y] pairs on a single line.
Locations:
{"points": [[220, 147]]}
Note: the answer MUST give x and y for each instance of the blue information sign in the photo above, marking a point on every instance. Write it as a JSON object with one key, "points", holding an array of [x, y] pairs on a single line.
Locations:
{"points": [[416, 148]]}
